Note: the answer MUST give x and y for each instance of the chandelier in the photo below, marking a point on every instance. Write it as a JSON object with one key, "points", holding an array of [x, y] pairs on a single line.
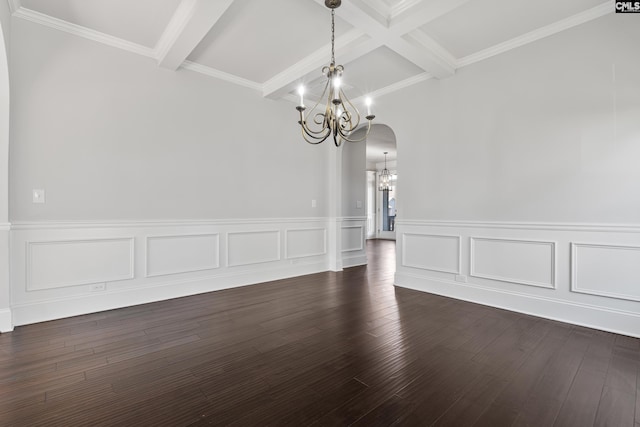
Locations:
{"points": [[338, 117], [385, 176]]}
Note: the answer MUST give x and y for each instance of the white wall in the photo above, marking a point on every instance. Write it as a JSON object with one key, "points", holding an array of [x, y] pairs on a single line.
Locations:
{"points": [[158, 184], [119, 138], [520, 175], [354, 178]]}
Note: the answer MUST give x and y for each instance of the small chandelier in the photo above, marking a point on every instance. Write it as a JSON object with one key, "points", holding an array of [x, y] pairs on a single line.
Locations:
{"points": [[385, 176], [340, 117]]}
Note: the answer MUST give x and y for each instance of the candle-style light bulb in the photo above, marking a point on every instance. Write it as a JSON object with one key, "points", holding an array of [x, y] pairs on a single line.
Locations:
{"points": [[368, 102], [336, 88], [301, 93]]}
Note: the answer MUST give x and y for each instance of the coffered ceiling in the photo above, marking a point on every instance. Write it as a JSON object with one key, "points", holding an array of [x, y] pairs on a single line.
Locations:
{"points": [[273, 46]]}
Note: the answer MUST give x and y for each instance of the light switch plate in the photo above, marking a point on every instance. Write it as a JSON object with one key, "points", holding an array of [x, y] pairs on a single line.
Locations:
{"points": [[313, 203], [358, 204], [38, 196]]}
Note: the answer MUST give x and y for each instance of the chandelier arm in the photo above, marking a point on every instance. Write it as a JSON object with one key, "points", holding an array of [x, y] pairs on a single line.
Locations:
{"points": [[314, 141], [316, 135], [353, 108], [340, 118]]}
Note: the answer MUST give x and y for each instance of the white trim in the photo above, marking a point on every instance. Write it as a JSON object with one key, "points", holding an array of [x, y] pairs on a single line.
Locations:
{"points": [[574, 271], [553, 261], [421, 267], [352, 39], [87, 33], [14, 5], [352, 218], [44, 225], [6, 322], [44, 310], [354, 261], [537, 34], [5, 226], [607, 228], [591, 316], [212, 72], [401, 7], [175, 236], [174, 28], [381, 8]]}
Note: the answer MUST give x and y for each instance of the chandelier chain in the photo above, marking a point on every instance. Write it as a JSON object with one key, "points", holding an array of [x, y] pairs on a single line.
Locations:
{"points": [[333, 29]]}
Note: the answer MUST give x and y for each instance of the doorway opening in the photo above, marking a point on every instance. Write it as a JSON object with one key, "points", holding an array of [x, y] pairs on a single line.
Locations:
{"points": [[382, 205]]}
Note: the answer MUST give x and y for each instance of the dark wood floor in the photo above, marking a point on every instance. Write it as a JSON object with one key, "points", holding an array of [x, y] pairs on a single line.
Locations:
{"points": [[326, 349]]}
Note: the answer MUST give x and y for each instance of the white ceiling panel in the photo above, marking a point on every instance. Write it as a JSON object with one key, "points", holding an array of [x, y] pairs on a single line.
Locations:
{"points": [[258, 39], [480, 24], [379, 68], [139, 21], [272, 46]]}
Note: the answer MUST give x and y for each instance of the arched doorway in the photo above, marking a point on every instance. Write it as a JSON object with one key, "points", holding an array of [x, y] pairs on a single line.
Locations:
{"points": [[381, 205]]}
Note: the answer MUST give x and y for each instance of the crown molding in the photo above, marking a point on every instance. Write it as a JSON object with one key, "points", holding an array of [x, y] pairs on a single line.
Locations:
{"points": [[14, 5], [77, 30], [212, 72], [540, 33]]}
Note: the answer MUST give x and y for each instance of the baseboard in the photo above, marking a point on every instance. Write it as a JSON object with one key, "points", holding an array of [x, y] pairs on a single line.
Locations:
{"points": [[6, 323], [354, 261], [616, 321], [46, 310]]}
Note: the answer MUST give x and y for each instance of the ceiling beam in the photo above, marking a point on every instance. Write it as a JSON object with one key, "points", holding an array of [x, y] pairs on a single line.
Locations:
{"points": [[409, 19], [349, 47], [190, 23], [411, 49], [371, 30]]}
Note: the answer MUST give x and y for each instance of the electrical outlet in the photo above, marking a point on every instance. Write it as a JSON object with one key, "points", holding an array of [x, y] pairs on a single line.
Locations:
{"points": [[461, 278], [98, 287]]}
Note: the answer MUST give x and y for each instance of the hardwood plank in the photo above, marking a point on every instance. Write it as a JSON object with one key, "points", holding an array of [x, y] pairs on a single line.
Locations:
{"points": [[617, 408], [581, 404], [334, 348]]}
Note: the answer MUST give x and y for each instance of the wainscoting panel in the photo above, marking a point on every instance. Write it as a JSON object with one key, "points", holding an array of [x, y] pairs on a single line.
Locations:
{"points": [[55, 264], [305, 242], [606, 270], [182, 254], [352, 238], [252, 247], [517, 261], [352, 235], [62, 269], [577, 273], [431, 252]]}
